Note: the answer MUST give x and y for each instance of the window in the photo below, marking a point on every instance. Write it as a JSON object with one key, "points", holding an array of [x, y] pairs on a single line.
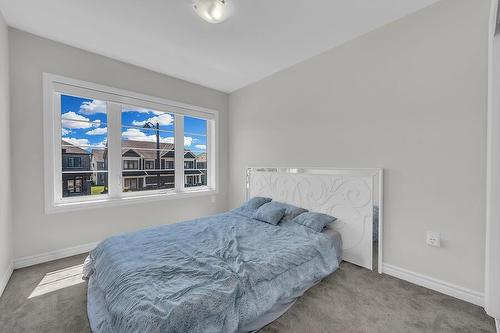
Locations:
{"points": [[104, 146], [149, 136], [131, 184], [167, 164], [131, 164], [71, 185], [83, 140], [78, 184], [74, 162], [195, 152], [74, 185]]}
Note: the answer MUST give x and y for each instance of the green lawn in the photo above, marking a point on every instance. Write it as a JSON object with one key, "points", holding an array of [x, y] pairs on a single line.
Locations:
{"points": [[97, 189]]}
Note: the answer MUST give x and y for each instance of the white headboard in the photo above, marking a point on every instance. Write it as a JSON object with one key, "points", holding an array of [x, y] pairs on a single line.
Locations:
{"points": [[348, 194]]}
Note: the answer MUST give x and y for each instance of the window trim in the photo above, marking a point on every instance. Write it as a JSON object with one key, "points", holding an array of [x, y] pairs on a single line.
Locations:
{"points": [[53, 85]]}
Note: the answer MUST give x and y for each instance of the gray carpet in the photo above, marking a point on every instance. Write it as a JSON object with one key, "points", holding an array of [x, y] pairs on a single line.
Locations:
{"points": [[350, 300]]}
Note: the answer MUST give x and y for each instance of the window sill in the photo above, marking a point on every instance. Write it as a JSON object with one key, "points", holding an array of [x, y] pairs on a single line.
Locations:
{"points": [[62, 207]]}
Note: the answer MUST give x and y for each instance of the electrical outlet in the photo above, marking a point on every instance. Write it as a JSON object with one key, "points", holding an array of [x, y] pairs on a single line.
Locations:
{"points": [[433, 238]]}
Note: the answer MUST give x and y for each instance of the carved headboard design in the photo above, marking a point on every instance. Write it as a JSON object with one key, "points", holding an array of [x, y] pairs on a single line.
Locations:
{"points": [[348, 194]]}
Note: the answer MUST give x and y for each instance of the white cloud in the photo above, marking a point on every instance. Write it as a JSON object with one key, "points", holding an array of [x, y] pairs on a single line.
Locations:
{"points": [[81, 121], [65, 131], [98, 131], [141, 110], [188, 141], [138, 135], [77, 142], [163, 119], [202, 147], [93, 107]]}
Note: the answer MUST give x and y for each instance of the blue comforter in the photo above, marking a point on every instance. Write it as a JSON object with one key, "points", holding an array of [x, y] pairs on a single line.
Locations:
{"points": [[212, 274]]}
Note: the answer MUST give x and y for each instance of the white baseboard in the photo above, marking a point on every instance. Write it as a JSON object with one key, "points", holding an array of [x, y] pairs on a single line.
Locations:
{"points": [[444, 287], [52, 255], [5, 277]]}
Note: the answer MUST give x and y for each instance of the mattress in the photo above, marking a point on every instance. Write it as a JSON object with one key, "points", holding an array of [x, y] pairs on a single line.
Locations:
{"points": [[282, 306], [337, 241]]}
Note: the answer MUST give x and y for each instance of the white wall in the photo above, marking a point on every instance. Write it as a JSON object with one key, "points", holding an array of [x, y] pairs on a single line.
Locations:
{"points": [[492, 297], [410, 97], [35, 232], [5, 216]]}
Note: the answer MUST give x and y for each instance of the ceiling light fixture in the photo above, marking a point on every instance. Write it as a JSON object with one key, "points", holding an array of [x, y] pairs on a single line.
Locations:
{"points": [[213, 11]]}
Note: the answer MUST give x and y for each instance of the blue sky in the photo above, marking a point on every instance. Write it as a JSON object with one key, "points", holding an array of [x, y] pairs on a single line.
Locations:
{"points": [[84, 124]]}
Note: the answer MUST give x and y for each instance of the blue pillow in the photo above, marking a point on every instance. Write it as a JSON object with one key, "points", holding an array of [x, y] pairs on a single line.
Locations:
{"points": [[269, 213], [291, 211], [315, 221], [249, 207], [255, 203]]}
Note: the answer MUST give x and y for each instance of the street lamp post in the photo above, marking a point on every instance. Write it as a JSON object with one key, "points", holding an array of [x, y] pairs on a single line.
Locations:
{"points": [[158, 161]]}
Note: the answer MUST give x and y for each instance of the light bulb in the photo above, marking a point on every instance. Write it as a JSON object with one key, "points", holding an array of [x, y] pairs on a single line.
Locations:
{"points": [[213, 11]]}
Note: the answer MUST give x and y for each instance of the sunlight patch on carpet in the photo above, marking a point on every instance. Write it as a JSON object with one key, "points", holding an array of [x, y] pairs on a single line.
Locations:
{"points": [[57, 280]]}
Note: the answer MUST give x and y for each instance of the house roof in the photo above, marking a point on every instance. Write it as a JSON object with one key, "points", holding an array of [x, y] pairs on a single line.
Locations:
{"points": [[69, 148], [144, 149], [98, 155], [202, 157], [147, 149], [189, 154]]}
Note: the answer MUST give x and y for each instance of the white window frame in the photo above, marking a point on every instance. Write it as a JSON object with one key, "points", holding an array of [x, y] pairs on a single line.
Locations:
{"points": [[55, 85]]}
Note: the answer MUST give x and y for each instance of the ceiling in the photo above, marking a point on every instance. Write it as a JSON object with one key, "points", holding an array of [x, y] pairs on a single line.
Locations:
{"points": [[261, 38]]}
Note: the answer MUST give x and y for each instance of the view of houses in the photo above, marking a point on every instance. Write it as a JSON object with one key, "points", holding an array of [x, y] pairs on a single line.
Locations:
{"points": [[76, 177], [85, 172], [147, 148]]}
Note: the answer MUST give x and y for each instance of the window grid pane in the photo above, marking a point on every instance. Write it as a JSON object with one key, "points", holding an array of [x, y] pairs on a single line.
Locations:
{"points": [[195, 152], [83, 146], [148, 151]]}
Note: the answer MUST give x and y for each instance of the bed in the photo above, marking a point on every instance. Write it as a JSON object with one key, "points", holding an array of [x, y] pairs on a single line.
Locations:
{"points": [[225, 273]]}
